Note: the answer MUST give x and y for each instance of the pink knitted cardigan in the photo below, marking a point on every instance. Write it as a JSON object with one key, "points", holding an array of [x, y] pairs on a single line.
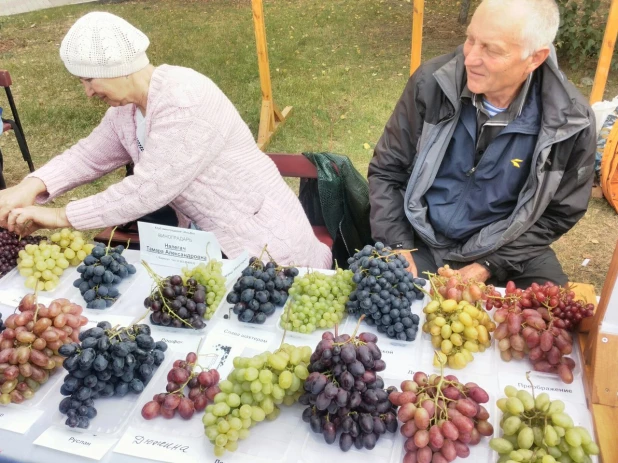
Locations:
{"points": [[201, 158]]}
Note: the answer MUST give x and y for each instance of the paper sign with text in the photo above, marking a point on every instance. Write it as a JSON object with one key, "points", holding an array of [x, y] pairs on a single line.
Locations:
{"points": [[219, 352], [160, 447], [18, 419], [543, 382], [250, 337], [176, 247], [82, 444], [177, 339]]}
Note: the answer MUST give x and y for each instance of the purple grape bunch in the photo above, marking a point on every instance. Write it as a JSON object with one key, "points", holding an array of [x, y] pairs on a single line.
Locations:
{"points": [[10, 245], [344, 395]]}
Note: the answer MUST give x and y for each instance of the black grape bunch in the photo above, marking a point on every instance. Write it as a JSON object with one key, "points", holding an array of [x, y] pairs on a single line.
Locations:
{"points": [[385, 291], [261, 288], [106, 362], [100, 274]]}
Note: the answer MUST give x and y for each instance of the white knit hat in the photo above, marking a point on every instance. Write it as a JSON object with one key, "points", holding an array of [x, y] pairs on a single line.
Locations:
{"points": [[102, 45]]}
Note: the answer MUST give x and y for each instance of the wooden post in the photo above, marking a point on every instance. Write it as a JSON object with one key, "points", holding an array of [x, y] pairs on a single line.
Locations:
{"points": [[417, 34], [599, 314], [605, 57], [271, 117]]}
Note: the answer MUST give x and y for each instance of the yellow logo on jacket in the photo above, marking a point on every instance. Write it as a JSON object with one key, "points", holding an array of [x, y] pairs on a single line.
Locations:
{"points": [[516, 162]]}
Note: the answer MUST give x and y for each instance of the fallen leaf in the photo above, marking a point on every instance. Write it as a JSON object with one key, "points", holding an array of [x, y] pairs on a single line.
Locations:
{"points": [[367, 146], [594, 241], [342, 116]]}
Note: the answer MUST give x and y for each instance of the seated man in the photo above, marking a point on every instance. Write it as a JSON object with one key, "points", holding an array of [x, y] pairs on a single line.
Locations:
{"points": [[489, 155]]}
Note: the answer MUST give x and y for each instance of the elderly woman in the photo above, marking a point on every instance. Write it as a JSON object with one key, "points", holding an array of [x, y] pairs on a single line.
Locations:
{"points": [[190, 147]]}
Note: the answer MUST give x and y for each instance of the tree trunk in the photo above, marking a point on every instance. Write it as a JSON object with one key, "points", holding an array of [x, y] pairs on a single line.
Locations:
{"points": [[463, 12]]}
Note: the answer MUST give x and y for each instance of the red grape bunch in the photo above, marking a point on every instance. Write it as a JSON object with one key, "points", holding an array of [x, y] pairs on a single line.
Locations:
{"points": [[202, 386], [528, 326], [441, 417], [10, 245], [31, 345], [344, 393], [559, 300]]}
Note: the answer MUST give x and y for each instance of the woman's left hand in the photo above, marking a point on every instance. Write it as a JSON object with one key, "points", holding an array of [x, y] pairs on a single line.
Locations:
{"points": [[27, 220]]}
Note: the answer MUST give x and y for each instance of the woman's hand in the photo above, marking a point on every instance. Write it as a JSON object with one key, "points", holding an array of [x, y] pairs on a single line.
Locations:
{"points": [[18, 196], [27, 220]]}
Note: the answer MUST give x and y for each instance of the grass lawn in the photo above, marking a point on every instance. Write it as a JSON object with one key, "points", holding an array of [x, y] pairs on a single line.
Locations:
{"points": [[341, 64]]}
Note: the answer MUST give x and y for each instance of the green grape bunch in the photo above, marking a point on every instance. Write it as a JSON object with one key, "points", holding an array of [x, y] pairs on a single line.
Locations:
{"points": [[536, 429], [252, 393], [317, 301]]}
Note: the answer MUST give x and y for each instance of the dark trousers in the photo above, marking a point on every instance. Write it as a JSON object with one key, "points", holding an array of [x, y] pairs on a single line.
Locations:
{"points": [[538, 270]]}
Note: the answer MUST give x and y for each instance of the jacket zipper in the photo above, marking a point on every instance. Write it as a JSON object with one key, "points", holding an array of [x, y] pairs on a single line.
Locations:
{"points": [[486, 251]]}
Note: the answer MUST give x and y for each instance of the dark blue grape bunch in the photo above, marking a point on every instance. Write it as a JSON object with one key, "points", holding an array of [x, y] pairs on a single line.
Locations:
{"points": [[385, 291], [102, 270], [261, 288], [2, 327], [106, 362]]}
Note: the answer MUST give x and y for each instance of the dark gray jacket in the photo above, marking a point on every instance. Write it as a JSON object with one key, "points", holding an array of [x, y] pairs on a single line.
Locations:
{"points": [[407, 156]]}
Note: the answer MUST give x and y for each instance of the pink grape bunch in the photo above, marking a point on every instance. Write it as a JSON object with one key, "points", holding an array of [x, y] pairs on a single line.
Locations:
{"points": [[202, 388], [528, 326], [449, 284], [441, 417]]}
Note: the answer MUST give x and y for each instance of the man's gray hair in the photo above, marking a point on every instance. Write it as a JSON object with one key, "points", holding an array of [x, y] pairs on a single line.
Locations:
{"points": [[541, 25]]}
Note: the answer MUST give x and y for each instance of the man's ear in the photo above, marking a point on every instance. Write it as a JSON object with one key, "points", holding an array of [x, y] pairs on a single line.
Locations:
{"points": [[538, 58]]}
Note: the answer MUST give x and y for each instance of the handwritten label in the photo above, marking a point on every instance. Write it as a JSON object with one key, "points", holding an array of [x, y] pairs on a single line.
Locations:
{"points": [[82, 444], [176, 247], [160, 447], [550, 384], [18, 419]]}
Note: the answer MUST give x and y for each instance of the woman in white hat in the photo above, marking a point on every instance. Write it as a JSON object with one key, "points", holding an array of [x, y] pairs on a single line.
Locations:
{"points": [[190, 147]]}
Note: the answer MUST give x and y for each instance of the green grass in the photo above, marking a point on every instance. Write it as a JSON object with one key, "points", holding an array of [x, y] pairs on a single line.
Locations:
{"points": [[341, 65]]}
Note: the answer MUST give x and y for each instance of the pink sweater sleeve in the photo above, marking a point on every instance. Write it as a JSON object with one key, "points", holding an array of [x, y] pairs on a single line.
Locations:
{"points": [[179, 146], [90, 158]]}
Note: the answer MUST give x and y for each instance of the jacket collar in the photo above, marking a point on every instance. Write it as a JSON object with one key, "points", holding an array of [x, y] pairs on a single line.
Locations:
{"points": [[562, 116]]}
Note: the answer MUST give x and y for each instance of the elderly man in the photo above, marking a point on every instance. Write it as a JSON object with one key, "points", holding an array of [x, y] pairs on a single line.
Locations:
{"points": [[488, 157]]}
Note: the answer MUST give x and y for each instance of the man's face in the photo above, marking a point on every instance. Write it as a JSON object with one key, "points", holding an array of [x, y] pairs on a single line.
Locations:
{"points": [[493, 53]]}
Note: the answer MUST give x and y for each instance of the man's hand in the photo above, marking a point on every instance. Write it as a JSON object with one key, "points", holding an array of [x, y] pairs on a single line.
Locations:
{"points": [[22, 195], [412, 267], [27, 220], [474, 272]]}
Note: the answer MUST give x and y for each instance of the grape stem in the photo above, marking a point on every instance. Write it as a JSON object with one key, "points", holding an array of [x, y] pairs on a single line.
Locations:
{"points": [[109, 243], [158, 283], [36, 299], [531, 384], [285, 326], [362, 317], [24, 227]]}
